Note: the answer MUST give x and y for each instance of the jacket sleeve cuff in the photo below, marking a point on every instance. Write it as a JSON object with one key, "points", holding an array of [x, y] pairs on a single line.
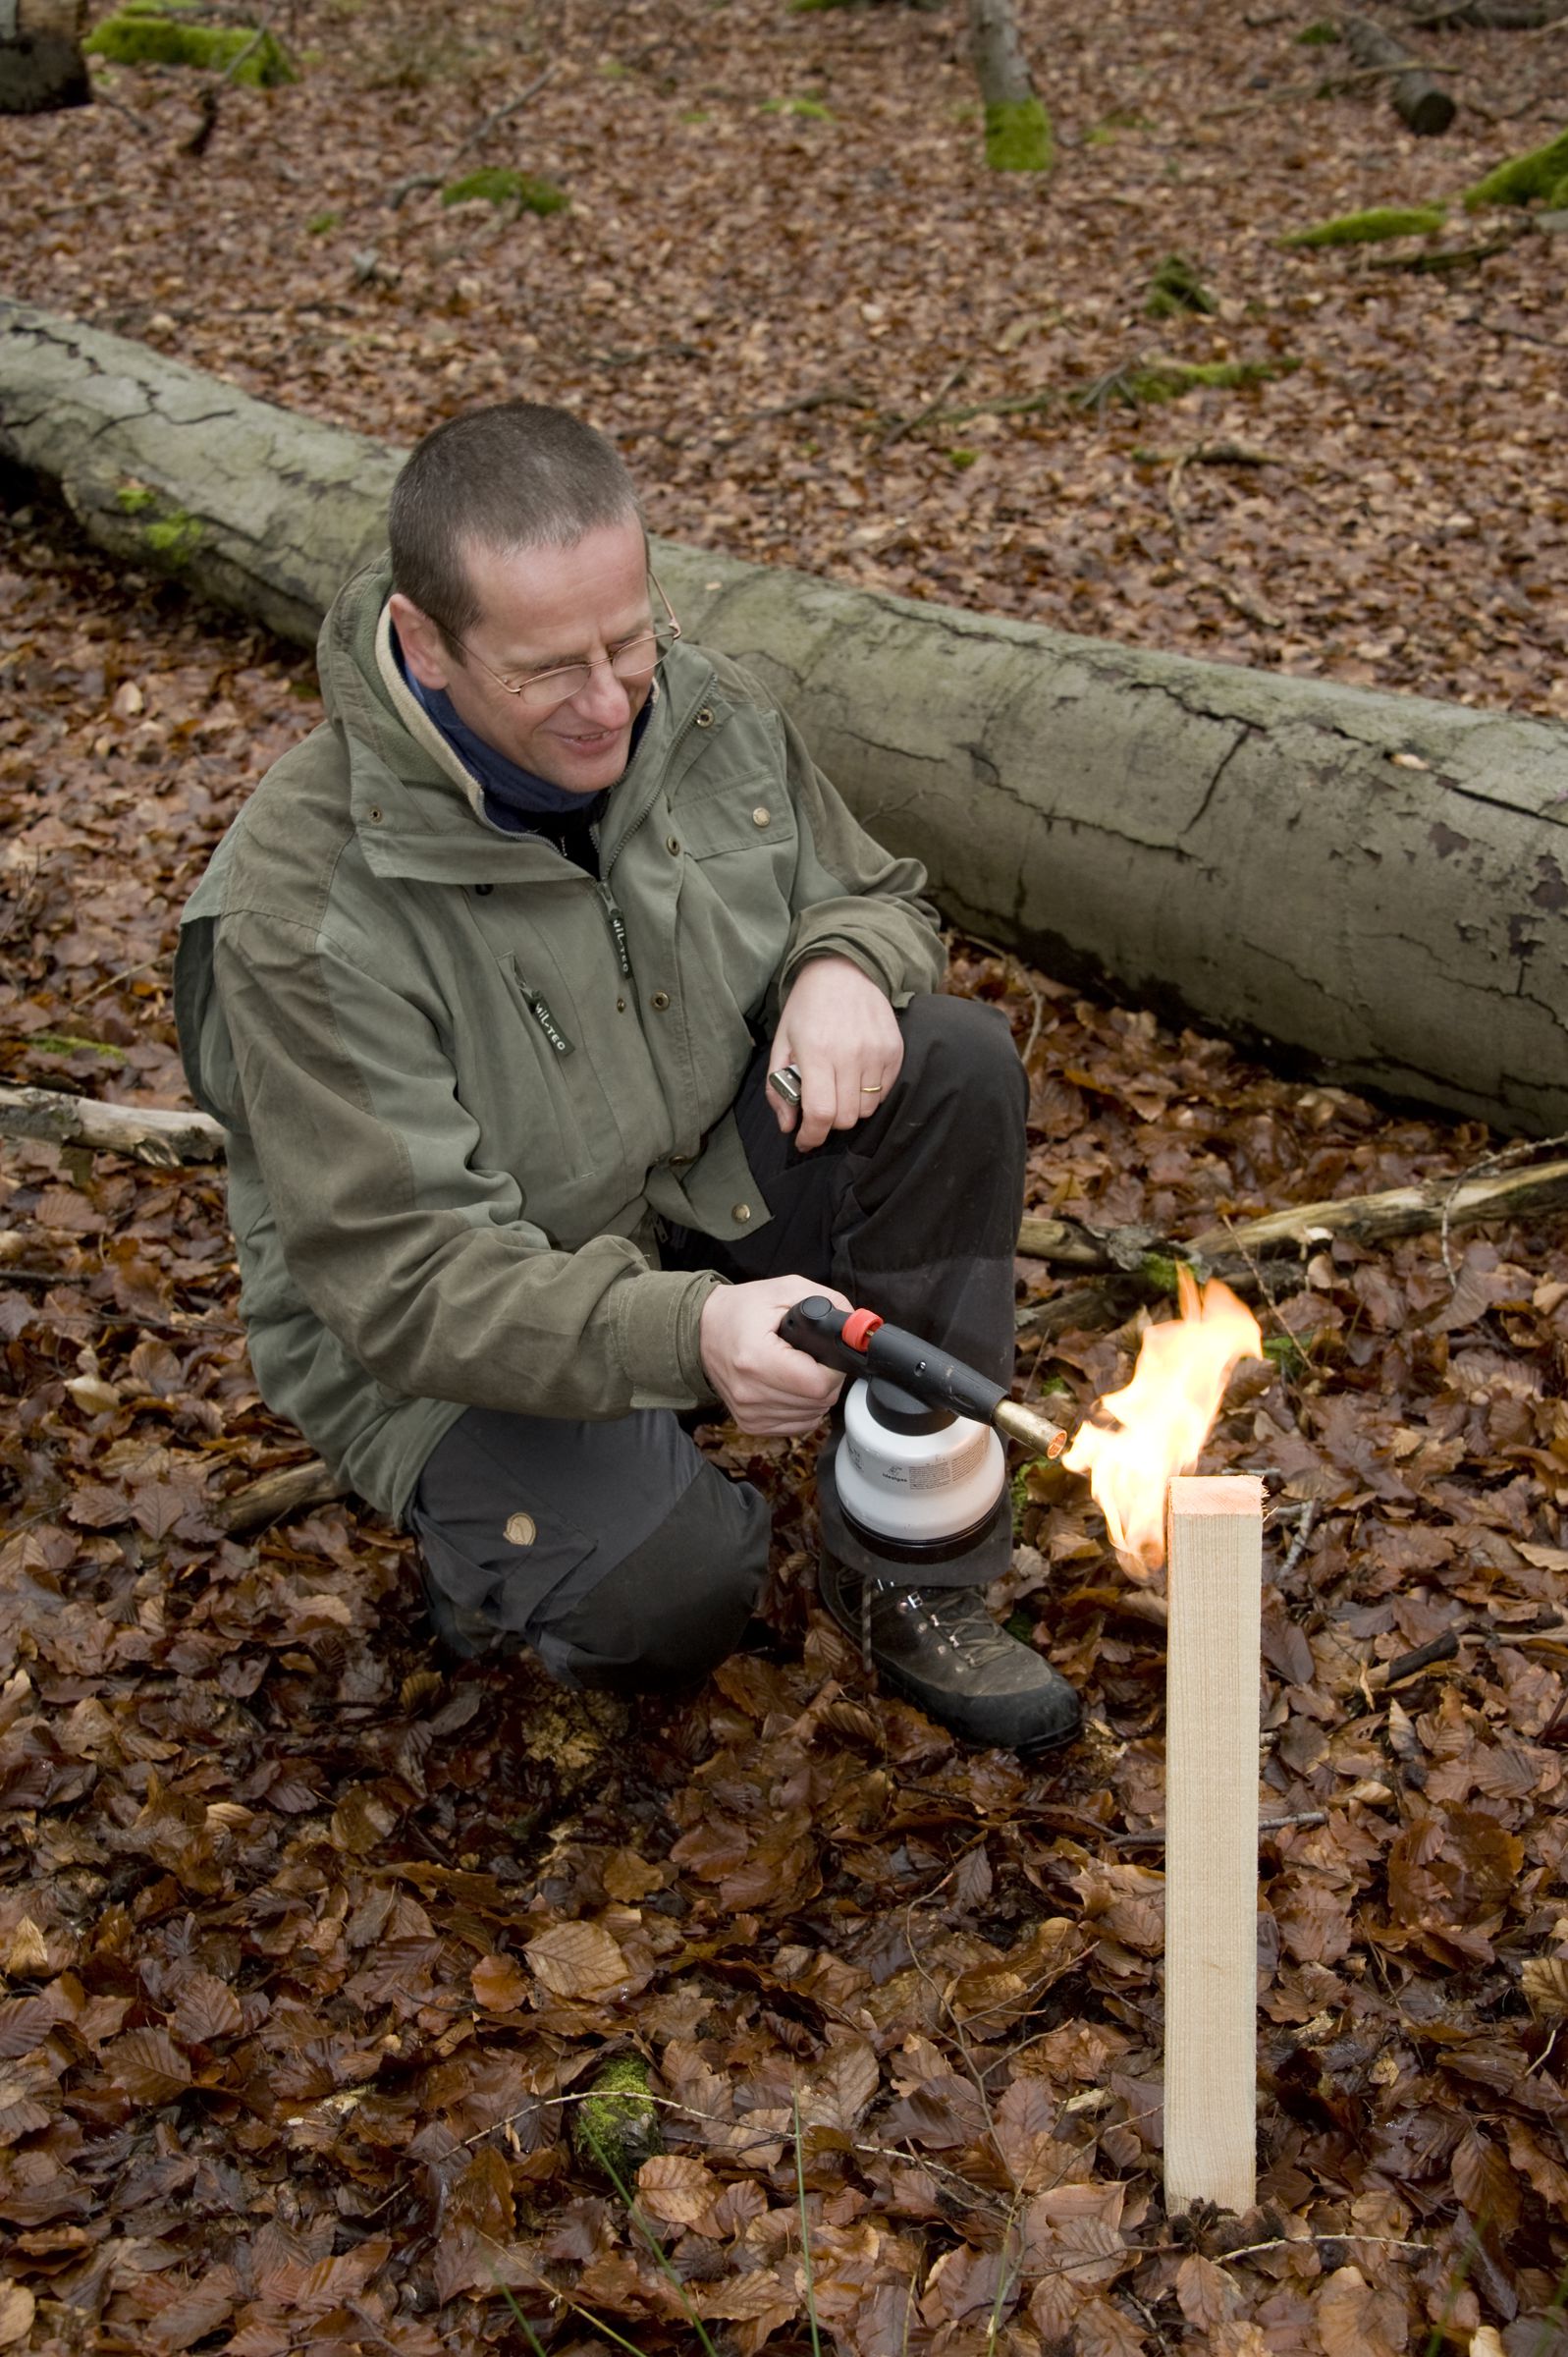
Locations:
{"points": [[659, 1336]]}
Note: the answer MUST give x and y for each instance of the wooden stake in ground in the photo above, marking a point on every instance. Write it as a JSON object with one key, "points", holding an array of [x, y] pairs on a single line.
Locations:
{"points": [[1216, 1576]]}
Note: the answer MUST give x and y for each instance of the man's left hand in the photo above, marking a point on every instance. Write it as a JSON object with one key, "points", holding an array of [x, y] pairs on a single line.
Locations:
{"points": [[842, 1037]]}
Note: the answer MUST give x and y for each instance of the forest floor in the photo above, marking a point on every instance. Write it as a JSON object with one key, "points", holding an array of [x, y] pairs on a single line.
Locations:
{"points": [[310, 1944]]}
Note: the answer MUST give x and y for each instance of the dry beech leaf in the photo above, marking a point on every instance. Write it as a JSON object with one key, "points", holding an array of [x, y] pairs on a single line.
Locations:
{"points": [[675, 2189], [17, 2308], [205, 2011], [1544, 1980], [1355, 2321], [499, 1984], [577, 1961], [1205, 2292], [362, 1821], [148, 2065], [629, 1878]]}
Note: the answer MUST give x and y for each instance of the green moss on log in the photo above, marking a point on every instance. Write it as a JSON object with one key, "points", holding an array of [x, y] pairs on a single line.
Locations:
{"points": [[144, 35], [1541, 171], [615, 2127], [1372, 227], [496, 184], [1169, 380], [133, 498], [809, 110], [1175, 288], [172, 539], [1018, 136]]}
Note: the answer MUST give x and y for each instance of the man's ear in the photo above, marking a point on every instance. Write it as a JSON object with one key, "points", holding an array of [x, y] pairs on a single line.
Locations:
{"points": [[423, 647]]}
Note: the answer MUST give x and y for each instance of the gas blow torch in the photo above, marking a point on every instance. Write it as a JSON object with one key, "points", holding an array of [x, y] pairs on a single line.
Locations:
{"points": [[857, 1342]]}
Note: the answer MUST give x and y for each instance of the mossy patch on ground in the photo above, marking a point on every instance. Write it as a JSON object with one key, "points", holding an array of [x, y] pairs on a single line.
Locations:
{"points": [[615, 2127], [496, 184], [1018, 136], [1175, 288], [1372, 227], [1541, 172], [144, 35], [1143, 382], [808, 110]]}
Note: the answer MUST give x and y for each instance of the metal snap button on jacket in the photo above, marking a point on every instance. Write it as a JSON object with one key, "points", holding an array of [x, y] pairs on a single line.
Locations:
{"points": [[660, 999], [761, 816], [741, 1212], [673, 845], [705, 718]]}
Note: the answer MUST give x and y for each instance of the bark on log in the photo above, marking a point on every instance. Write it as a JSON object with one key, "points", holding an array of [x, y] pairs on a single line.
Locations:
{"points": [[42, 68], [142, 1132], [1377, 881], [1418, 97]]}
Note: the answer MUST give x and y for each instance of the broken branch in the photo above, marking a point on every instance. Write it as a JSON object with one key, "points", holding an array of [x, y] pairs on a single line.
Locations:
{"points": [[146, 1132]]}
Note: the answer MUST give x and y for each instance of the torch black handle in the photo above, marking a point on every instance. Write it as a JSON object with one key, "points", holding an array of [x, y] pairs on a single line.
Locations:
{"points": [[816, 1327]]}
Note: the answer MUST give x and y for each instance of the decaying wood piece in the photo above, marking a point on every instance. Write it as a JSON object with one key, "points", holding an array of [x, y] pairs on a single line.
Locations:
{"points": [[1416, 94], [1400, 1211], [272, 1496], [42, 70], [1137, 1266], [1180, 827], [1505, 16], [142, 1132], [1214, 1582]]}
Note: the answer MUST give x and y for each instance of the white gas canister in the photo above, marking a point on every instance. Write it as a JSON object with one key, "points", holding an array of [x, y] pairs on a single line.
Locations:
{"points": [[912, 1474]]}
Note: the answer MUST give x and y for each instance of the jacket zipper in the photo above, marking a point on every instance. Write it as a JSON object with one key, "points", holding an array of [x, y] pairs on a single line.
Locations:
{"points": [[617, 928], [538, 1007]]}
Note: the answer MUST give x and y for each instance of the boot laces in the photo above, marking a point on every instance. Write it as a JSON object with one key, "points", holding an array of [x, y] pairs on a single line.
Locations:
{"points": [[962, 1632]]}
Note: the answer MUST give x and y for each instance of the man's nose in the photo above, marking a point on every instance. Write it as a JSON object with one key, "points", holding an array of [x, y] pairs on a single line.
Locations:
{"points": [[605, 700]]}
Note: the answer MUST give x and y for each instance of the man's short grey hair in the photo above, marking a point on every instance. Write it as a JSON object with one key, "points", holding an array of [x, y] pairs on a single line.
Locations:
{"points": [[520, 474]]}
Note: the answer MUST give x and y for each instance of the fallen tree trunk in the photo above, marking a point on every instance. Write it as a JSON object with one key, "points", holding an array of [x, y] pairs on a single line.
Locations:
{"points": [[1417, 96], [1377, 881], [42, 68]]}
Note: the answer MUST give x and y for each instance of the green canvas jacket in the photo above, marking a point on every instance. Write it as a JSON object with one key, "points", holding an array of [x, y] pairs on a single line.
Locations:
{"points": [[461, 1077]]}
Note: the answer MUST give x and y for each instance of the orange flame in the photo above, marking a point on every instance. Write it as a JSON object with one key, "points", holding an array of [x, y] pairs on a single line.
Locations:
{"points": [[1163, 1417]]}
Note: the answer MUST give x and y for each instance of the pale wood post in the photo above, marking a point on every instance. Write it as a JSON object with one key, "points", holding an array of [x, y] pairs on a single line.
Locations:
{"points": [[1210, 2093]]}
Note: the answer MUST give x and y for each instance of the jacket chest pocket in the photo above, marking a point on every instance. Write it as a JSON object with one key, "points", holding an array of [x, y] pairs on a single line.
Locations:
{"points": [[548, 1142], [737, 891]]}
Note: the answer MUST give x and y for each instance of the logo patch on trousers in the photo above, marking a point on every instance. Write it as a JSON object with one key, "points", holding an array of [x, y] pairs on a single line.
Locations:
{"points": [[521, 1530]]}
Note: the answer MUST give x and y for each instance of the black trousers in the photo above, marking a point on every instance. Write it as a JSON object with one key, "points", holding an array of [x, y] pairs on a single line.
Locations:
{"points": [[613, 1549]]}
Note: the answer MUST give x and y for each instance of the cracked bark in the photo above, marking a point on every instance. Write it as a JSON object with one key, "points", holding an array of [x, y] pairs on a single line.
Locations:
{"points": [[1323, 868]]}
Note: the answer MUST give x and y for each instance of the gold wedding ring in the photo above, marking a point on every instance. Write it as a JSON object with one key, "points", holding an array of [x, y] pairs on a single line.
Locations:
{"points": [[871, 1089]]}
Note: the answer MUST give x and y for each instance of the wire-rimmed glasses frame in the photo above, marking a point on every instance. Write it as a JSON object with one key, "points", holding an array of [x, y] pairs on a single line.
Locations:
{"points": [[631, 662]]}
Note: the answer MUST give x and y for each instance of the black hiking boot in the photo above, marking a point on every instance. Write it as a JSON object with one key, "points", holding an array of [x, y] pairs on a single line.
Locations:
{"points": [[942, 1648]]}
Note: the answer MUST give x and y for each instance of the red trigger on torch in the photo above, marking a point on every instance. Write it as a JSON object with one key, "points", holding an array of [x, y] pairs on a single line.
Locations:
{"points": [[859, 1327]]}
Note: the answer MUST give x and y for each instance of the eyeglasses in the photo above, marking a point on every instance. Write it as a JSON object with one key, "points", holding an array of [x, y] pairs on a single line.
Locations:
{"points": [[633, 661]]}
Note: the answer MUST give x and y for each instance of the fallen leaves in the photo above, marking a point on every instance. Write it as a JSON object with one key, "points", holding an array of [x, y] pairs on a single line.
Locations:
{"points": [[313, 1946]]}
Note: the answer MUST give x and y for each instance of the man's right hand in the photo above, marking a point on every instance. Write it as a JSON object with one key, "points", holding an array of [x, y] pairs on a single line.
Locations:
{"points": [[769, 1387]]}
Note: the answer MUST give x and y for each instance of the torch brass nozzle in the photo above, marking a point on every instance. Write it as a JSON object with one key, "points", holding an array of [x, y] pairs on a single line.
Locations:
{"points": [[1031, 1427]]}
